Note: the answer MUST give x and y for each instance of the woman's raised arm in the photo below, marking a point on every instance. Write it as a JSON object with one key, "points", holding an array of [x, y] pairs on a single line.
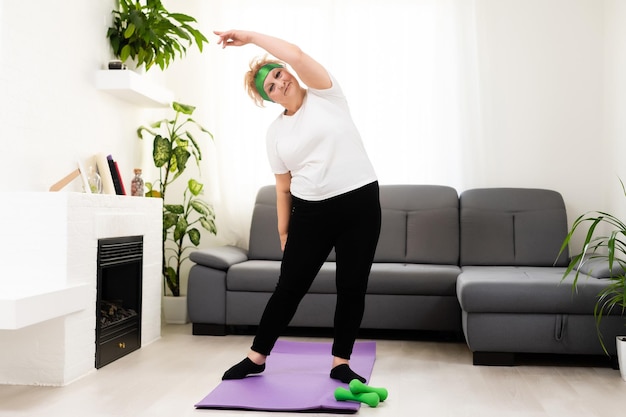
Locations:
{"points": [[311, 72]]}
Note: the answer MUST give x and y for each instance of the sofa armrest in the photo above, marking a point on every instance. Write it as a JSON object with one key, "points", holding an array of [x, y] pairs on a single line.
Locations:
{"points": [[598, 267], [220, 257]]}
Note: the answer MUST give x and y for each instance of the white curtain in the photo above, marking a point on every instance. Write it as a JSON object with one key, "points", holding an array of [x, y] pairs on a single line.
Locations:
{"points": [[407, 67]]}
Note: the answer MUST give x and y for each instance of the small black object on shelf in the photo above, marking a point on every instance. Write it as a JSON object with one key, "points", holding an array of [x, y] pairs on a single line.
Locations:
{"points": [[116, 65]]}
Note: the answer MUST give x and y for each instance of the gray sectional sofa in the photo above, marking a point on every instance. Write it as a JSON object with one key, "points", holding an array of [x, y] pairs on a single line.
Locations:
{"points": [[483, 263]]}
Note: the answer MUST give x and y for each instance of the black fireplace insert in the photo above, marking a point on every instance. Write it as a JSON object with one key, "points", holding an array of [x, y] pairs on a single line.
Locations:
{"points": [[118, 305]]}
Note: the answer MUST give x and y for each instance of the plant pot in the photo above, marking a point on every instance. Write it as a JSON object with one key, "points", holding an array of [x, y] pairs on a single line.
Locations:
{"points": [[621, 355], [175, 310]]}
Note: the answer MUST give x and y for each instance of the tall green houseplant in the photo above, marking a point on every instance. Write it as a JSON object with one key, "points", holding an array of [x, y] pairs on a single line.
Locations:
{"points": [[146, 32], [173, 146], [608, 249]]}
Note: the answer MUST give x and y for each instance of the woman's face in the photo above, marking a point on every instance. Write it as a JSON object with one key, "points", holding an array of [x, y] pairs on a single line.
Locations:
{"points": [[280, 85]]}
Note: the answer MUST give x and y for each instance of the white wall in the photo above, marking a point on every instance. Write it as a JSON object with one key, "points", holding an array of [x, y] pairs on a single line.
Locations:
{"points": [[615, 103], [542, 86], [552, 94], [50, 112]]}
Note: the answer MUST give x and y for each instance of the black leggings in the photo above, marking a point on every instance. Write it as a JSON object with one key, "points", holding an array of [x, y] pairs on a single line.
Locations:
{"points": [[351, 224]]}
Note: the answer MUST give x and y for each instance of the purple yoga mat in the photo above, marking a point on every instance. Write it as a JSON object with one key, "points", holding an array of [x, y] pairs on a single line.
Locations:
{"points": [[296, 378]]}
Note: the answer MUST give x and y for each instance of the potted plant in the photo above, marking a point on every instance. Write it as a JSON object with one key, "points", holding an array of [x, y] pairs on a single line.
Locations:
{"points": [[173, 146], [144, 31], [607, 249]]}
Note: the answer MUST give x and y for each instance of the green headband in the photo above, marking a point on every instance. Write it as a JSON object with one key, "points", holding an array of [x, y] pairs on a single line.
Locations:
{"points": [[261, 75]]}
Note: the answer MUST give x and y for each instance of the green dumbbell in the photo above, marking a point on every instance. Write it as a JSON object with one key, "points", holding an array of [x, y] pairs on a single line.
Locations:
{"points": [[369, 398], [357, 387]]}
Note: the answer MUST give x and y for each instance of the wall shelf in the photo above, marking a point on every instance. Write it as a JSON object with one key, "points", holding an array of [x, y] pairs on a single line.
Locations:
{"points": [[133, 88]]}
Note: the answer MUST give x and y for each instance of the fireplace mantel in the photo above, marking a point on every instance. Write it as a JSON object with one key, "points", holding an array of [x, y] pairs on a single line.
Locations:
{"points": [[25, 306], [48, 301]]}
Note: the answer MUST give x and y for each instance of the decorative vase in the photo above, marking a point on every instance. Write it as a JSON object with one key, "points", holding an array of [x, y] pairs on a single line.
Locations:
{"points": [[175, 310], [94, 181]]}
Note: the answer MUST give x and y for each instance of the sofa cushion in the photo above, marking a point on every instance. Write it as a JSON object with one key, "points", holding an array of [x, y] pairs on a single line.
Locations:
{"points": [[262, 276], [533, 290], [597, 266], [401, 279], [264, 239], [219, 257], [420, 224], [413, 279], [487, 242], [433, 236], [393, 225], [512, 226]]}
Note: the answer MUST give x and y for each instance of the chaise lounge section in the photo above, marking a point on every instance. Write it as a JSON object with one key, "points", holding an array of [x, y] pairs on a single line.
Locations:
{"points": [[510, 289]]}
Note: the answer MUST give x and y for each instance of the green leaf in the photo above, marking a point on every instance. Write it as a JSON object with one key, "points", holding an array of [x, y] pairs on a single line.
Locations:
{"points": [[194, 236], [157, 125], [125, 53], [129, 31], [176, 47], [209, 225], [196, 148], [124, 5], [174, 168], [195, 187], [183, 108], [171, 278], [182, 156], [200, 127], [174, 208], [141, 57], [182, 17], [181, 228], [162, 151], [199, 38], [169, 220], [202, 207], [139, 20], [142, 129], [114, 40], [181, 34]]}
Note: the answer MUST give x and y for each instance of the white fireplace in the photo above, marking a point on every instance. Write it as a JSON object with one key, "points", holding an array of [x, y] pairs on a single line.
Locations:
{"points": [[49, 276]]}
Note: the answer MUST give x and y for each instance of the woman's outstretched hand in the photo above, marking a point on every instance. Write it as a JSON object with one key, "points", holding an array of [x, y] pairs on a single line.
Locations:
{"points": [[312, 73], [233, 38]]}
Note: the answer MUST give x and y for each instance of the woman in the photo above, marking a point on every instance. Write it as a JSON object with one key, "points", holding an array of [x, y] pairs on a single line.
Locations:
{"points": [[327, 196]]}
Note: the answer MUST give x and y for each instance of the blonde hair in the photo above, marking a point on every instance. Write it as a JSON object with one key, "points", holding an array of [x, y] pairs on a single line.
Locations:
{"points": [[255, 66]]}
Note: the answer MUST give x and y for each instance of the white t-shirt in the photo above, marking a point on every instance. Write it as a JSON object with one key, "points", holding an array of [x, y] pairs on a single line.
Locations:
{"points": [[320, 146]]}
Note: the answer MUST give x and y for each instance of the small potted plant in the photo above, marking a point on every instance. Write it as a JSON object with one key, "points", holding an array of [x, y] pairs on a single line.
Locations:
{"points": [[605, 249], [148, 34], [183, 216]]}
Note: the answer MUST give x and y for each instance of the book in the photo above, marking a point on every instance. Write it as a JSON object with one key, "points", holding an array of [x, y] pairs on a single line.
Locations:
{"points": [[119, 175], [105, 174], [118, 184]]}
